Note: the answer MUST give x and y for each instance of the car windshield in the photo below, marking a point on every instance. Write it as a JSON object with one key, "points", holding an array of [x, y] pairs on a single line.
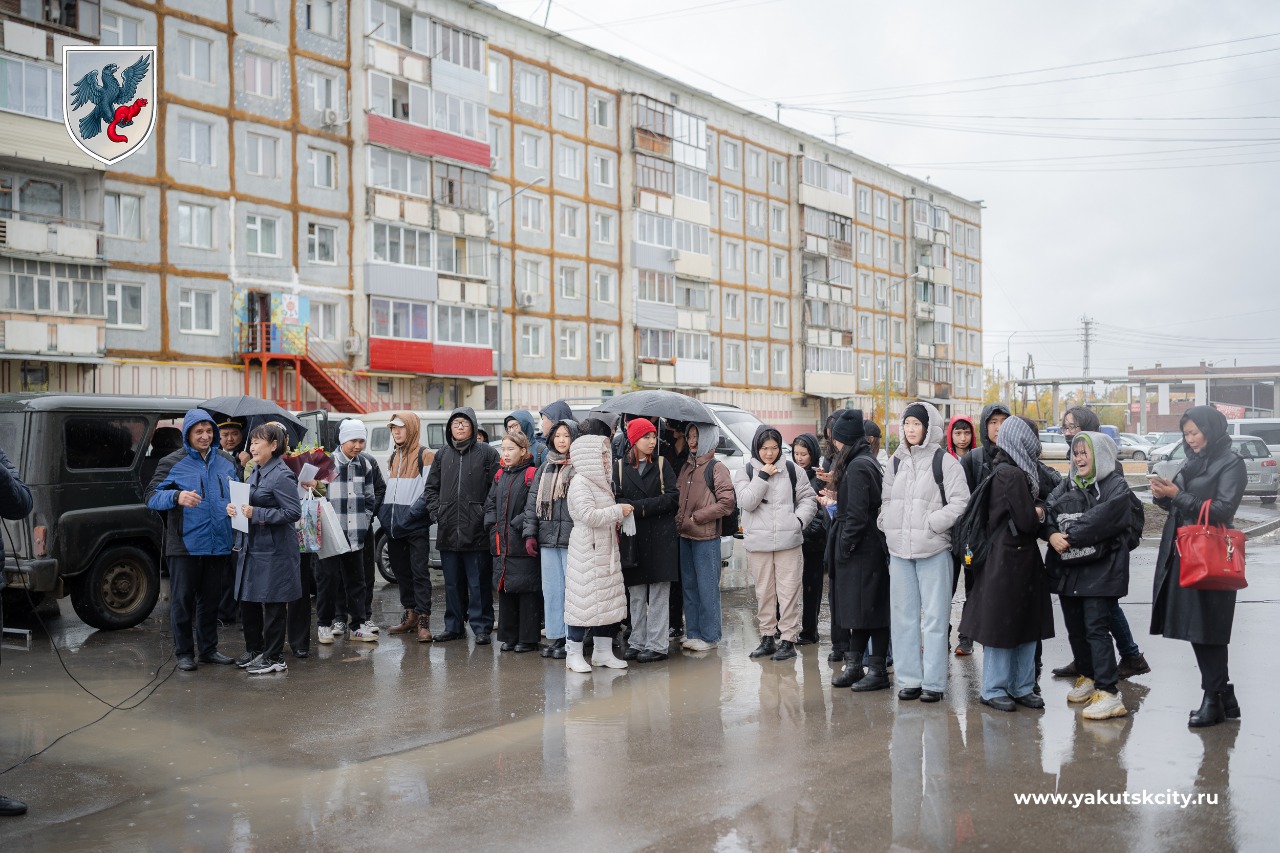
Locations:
{"points": [[741, 424]]}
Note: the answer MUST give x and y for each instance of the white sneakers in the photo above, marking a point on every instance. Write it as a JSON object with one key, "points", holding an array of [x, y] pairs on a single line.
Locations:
{"points": [[602, 655], [574, 660], [365, 633], [1104, 705], [325, 635], [693, 644], [1083, 691]]}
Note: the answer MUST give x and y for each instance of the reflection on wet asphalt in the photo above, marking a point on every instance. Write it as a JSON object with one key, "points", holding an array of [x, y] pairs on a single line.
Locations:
{"points": [[399, 745]]}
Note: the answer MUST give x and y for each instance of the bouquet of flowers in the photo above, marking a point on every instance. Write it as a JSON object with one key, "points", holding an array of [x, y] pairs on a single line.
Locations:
{"points": [[313, 454]]}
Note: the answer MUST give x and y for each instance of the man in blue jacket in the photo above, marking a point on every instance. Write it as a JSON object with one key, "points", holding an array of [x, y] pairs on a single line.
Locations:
{"points": [[192, 487], [15, 503]]}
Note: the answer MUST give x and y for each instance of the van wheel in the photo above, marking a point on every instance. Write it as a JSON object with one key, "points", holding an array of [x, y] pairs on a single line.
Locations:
{"points": [[382, 556], [119, 591], [1269, 499]]}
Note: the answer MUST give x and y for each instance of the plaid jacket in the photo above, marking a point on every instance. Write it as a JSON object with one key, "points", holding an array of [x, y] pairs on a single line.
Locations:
{"points": [[355, 495]]}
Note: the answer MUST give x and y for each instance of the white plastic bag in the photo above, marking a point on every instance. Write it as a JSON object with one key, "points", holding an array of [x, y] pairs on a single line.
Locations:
{"points": [[333, 539]]}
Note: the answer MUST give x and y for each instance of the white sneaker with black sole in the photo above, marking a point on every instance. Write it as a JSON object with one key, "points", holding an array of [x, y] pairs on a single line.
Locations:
{"points": [[266, 666], [339, 629], [324, 634]]}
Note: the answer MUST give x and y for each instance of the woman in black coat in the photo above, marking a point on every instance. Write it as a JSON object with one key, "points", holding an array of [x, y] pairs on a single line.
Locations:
{"points": [[651, 558], [857, 559], [268, 573], [1010, 610], [1213, 473], [517, 572], [805, 453]]}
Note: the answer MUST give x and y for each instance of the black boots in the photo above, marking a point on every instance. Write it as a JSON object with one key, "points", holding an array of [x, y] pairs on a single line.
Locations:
{"points": [[1230, 705], [877, 677], [851, 673], [786, 651], [1210, 713], [765, 648]]}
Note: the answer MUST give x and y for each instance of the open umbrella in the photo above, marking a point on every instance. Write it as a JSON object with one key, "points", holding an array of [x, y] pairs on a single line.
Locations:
{"points": [[658, 403], [254, 411]]}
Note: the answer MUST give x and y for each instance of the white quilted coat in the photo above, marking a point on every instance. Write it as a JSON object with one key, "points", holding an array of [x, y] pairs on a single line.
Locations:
{"points": [[594, 593]]}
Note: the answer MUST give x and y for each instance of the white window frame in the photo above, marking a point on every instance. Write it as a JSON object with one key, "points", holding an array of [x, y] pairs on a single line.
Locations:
{"points": [[604, 345], [530, 84], [780, 361], [267, 163], [756, 356], [309, 20], [732, 305], [732, 205], [254, 233], [118, 299], [780, 315], [187, 298], [601, 112], [568, 284], [481, 321], [261, 72], [754, 160], [192, 216], [531, 343], [186, 51], [389, 331], [756, 310], [569, 346], [531, 150], [604, 286], [570, 165], [188, 133], [317, 156], [730, 156], [495, 75], [529, 277], [570, 221], [570, 105], [322, 330], [532, 213], [121, 201], [603, 229], [315, 243], [117, 29], [602, 170], [732, 358]]}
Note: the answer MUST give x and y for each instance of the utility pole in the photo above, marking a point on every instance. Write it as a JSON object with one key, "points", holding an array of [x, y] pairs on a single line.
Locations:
{"points": [[1087, 322]]}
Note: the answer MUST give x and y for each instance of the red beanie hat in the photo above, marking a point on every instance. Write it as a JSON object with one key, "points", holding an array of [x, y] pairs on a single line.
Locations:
{"points": [[639, 428]]}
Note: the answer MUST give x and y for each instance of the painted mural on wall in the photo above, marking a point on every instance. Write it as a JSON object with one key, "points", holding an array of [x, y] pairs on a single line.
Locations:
{"points": [[287, 318]]}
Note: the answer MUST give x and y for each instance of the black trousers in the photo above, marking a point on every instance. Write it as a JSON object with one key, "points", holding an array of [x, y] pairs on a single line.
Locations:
{"points": [[264, 627], [578, 634], [195, 587], [298, 612], [367, 554], [340, 584], [519, 617], [1213, 666], [676, 607], [873, 641], [228, 612], [811, 593], [468, 591], [1088, 622], [411, 564], [955, 585]]}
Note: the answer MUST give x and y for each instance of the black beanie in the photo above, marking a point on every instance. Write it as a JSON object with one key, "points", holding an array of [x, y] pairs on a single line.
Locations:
{"points": [[848, 427], [919, 412]]}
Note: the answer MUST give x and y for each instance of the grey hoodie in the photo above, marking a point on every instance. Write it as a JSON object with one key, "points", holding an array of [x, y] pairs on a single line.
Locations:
{"points": [[915, 522]]}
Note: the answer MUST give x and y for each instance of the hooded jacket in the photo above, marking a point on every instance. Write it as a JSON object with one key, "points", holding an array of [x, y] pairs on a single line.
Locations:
{"points": [[410, 466], [951, 425], [550, 532], [774, 515], [537, 444], [505, 515], [457, 487], [1094, 510], [856, 558], [698, 516], [556, 412], [653, 494], [977, 462], [203, 530], [269, 568], [815, 533], [594, 593], [915, 522]]}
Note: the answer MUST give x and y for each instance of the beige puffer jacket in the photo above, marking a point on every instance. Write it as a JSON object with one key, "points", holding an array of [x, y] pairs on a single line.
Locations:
{"points": [[773, 515], [915, 523], [594, 593]]}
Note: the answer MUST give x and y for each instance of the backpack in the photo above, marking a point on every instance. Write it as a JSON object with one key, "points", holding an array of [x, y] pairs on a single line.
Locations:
{"points": [[529, 474], [791, 470], [969, 540], [730, 523], [1137, 522], [937, 471]]}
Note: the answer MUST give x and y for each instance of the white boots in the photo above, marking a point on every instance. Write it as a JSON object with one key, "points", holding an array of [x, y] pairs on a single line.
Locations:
{"points": [[575, 661]]}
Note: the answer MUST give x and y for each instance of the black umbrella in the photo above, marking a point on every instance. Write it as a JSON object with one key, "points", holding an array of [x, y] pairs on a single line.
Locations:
{"points": [[658, 404], [254, 411]]}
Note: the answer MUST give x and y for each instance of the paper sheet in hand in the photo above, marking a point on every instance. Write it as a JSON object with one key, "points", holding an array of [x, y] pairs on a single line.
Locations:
{"points": [[306, 475], [239, 497]]}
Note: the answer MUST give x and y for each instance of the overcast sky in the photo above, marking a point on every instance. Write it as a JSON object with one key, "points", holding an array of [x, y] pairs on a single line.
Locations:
{"points": [[1160, 231]]}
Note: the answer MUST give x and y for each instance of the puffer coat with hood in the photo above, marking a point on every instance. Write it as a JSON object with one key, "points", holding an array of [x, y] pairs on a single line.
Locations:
{"points": [[504, 519], [774, 515], [203, 530], [594, 592], [457, 487], [698, 516], [409, 467], [1092, 510], [537, 443], [553, 530], [915, 522]]}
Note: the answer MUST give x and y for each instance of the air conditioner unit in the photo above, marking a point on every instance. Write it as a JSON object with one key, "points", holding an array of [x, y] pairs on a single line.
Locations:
{"points": [[330, 118], [494, 161], [524, 300], [351, 345], [673, 255]]}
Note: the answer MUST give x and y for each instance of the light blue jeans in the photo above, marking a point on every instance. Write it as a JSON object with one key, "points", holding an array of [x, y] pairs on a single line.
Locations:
{"points": [[1008, 672], [553, 563], [920, 611], [700, 584]]}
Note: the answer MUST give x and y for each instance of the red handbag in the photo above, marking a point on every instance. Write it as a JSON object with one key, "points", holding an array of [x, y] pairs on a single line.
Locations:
{"points": [[1212, 557]]}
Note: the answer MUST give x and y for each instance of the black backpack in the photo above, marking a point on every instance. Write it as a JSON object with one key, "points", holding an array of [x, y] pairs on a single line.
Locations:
{"points": [[969, 540], [730, 523], [791, 469], [937, 471]]}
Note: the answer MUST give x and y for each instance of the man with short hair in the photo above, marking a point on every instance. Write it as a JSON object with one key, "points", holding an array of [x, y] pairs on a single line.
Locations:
{"points": [[231, 439], [192, 486], [15, 504]]}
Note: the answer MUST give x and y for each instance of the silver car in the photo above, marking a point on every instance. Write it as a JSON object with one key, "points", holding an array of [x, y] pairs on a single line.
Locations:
{"points": [[1054, 445], [1264, 476]]}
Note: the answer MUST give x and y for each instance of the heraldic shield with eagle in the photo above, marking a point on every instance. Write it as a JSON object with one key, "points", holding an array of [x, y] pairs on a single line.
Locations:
{"points": [[110, 99]]}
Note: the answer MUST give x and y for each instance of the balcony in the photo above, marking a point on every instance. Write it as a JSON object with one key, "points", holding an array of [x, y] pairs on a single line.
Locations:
{"points": [[35, 234], [925, 351], [68, 339], [924, 311]]}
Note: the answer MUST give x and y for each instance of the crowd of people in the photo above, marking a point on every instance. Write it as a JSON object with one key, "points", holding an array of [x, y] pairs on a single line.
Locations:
{"points": [[603, 537]]}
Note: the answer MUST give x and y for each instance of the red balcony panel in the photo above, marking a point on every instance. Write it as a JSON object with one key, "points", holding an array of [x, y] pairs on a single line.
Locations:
{"points": [[431, 143], [463, 361], [400, 356]]}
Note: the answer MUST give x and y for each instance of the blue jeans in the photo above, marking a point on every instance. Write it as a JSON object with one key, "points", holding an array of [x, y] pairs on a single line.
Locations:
{"points": [[700, 584], [553, 563], [468, 591], [919, 616], [1008, 672], [1125, 643]]}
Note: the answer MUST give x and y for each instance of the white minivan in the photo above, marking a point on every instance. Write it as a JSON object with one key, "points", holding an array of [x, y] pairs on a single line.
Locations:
{"points": [[1267, 429]]}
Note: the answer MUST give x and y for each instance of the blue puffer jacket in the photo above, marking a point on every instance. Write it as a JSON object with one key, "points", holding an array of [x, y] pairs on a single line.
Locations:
{"points": [[203, 530]]}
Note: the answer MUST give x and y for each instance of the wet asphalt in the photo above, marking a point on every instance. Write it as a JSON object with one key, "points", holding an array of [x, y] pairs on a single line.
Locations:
{"points": [[400, 746]]}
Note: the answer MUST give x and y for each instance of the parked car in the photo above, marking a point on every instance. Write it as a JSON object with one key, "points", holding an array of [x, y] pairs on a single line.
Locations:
{"points": [[1267, 429], [1135, 437], [1160, 439], [1132, 448], [1054, 445], [87, 459], [1264, 477]]}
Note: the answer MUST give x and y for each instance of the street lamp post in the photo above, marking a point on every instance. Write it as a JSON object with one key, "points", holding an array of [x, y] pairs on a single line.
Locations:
{"points": [[496, 217], [1008, 370]]}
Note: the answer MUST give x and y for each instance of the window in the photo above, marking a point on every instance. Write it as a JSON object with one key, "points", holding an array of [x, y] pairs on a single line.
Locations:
{"points": [[456, 324], [732, 206], [755, 213], [882, 207], [124, 304], [570, 101], [571, 344], [656, 344], [694, 346], [692, 183], [321, 240], [864, 369], [195, 225], [380, 101], [122, 215], [654, 230], [601, 112], [324, 320], [825, 176], [495, 76], [779, 361], [392, 170], [897, 371], [324, 168], [260, 155], [864, 200], [693, 238], [604, 346], [26, 87], [531, 150], [864, 242], [264, 8], [531, 208], [757, 358], [570, 219], [777, 219], [729, 157], [882, 328], [972, 240], [653, 116], [319, 17], [755, 260], [324, 91], [776, 175], [606, 286], [897, 252], [195, 58], [95, 441], [655, 287], [530, 88], [882, 247], [897, 331], [895, 208], [457, 47], [459, 187], [882, 285], [655, 174], [828, 359], [390, 23], [732, 306], [195, 312], [395, 318], [195, 141], [530, 340], [604, 231], [864, 327], [450, 113], [732, 256], [754, 160], [690, 295], [259, 75], [117, 29], [755, 305], [733, 358], [569, 283], [602, 170], [260, 235], [570, 162], [529, 277], [779, 313]]}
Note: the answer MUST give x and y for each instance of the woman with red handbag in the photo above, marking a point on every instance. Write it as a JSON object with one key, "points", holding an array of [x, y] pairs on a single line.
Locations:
{"points": [[1213, 473]]}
